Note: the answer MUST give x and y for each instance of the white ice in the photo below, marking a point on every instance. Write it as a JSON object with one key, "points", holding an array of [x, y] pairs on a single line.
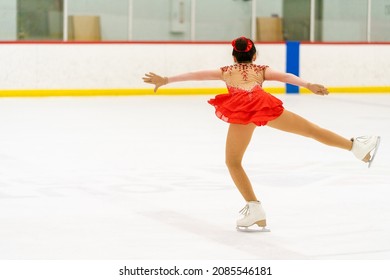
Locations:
{"points": [[143, 177]]}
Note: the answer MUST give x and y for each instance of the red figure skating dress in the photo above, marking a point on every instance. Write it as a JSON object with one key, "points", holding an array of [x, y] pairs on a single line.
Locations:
{"points": [[246, 101]]}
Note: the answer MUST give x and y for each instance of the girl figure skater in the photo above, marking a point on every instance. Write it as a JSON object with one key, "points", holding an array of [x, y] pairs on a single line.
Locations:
{"points": [[247, 105]]}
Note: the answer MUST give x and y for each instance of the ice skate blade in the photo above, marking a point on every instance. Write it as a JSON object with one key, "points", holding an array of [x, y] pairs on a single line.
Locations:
{"points": [[378, 141], [248, 229]]}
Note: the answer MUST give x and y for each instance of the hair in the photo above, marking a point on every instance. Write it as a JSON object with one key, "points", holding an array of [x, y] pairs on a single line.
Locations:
{"points": [[242, 49]]}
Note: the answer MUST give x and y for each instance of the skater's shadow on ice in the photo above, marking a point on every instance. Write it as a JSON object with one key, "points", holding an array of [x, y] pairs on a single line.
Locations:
{"points": [[250, 243]]}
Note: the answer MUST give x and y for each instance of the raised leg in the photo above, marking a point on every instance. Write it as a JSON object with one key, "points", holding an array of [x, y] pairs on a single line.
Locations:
{"points": [[294, 123]]}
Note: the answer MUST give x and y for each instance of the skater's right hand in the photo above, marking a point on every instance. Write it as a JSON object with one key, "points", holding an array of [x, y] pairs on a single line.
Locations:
{"points": [[317, 89], [155, 79]]}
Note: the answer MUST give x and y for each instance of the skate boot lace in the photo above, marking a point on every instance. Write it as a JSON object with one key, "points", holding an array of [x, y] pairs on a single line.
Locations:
{"points": [[245, 211]]}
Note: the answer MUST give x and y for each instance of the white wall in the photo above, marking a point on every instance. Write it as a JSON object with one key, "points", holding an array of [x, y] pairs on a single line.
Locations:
{"points": [[8, 20], [267, 8], [380, 26], [344, 21], [110, 66], [347, 20], [101, 66], [114, 18], [346, 65]]}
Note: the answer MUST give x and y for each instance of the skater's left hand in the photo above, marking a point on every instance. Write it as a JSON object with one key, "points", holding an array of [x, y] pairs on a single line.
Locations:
{"points": [[318, 89], [155, 79]]}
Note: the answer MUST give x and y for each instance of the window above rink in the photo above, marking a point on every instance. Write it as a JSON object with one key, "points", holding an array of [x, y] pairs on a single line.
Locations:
{"points": [[195, 20]]}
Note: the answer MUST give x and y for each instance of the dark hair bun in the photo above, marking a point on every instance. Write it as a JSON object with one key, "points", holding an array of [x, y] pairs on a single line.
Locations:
{"points": [[243, 49], [241, 44]]}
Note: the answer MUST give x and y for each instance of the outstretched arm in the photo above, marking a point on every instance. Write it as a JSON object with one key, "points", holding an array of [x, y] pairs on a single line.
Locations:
{"points": [[289, 78], [159, 81]]}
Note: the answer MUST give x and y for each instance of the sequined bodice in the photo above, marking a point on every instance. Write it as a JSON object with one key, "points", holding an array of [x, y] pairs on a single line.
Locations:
{"points": [[245, 76]]}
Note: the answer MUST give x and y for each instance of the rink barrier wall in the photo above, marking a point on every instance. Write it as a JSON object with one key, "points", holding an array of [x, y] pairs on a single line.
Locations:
{"points": [[170, 91], [116, 68], [121, 92], [292, 63]]}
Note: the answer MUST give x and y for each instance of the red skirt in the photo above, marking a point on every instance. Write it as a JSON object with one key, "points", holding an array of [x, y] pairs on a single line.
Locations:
{"points": [[244, 107]]}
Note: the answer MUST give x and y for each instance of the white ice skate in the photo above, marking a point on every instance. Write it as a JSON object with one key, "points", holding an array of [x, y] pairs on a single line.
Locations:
{"points": [[253, 214], [365, 148]]}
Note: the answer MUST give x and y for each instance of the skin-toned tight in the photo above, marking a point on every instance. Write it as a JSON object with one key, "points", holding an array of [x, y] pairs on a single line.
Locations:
{"points": [[239, 136]]}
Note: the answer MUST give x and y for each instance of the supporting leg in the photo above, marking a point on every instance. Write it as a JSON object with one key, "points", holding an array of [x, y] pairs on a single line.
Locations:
{"points": [[237, 141]]}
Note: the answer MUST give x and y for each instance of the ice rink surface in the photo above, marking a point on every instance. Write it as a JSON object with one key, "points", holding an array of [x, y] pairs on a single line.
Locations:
{"points": [[144, 178]]}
